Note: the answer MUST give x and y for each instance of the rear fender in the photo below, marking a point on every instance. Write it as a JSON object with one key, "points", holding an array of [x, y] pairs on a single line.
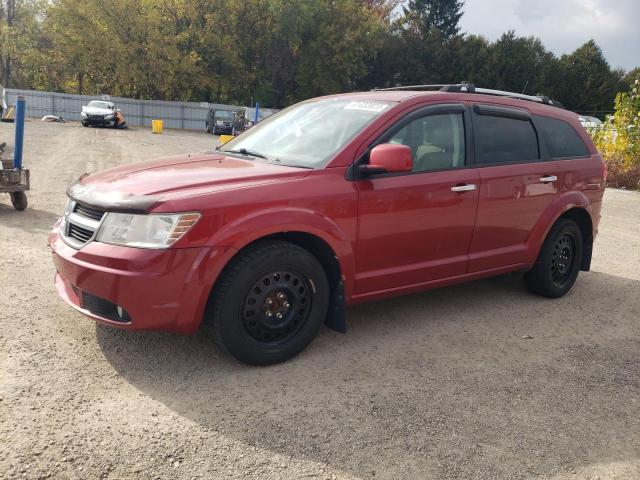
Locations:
{"points": [[549, 217]]}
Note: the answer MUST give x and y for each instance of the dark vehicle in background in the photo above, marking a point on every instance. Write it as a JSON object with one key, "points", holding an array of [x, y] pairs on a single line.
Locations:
{"points": [[220, 121], [100, 113], [245, 118]]}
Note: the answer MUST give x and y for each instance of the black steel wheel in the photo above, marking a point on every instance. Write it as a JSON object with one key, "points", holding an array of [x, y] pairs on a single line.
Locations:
{"points": [[276, 307], [558, 264], [269, 302], [562, 259], [19, 200]]}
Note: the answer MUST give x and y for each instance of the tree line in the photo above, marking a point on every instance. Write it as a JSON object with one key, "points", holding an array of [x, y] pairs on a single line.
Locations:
{"points": [[280, 51]]}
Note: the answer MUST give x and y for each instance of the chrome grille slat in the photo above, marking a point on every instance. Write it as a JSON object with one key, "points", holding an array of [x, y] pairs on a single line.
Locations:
{"points": [[89, 212]]}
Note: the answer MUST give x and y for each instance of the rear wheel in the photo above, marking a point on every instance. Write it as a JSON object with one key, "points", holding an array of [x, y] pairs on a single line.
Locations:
{"points": [[558, 264], [19, 200], [269, 303]]}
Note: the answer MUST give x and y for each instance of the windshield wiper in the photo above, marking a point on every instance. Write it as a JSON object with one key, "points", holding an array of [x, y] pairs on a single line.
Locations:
{"points": [[252, 153]]}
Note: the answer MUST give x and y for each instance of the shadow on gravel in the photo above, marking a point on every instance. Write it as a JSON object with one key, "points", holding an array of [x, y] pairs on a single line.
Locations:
{"points": [[442, 384], [29, 220]]}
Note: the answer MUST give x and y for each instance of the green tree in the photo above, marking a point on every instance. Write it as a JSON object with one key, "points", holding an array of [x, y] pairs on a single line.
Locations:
{"points": [[443, 15], [19, 35], [586, 82], [520, 64]]}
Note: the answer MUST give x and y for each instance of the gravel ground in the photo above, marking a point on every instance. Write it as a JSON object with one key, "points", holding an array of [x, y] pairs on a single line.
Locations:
{"points": [[443, 384]]}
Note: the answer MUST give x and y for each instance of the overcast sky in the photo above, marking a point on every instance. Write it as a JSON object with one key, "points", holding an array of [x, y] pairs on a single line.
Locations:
{"points": [[563, 25]]}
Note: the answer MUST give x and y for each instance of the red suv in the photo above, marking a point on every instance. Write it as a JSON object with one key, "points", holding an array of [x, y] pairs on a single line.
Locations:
{"points": [[333, 201]]}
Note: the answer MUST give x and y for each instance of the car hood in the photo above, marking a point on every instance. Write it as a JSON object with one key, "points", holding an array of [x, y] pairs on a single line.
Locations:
{"points": [[140, 186], [96, 110]]}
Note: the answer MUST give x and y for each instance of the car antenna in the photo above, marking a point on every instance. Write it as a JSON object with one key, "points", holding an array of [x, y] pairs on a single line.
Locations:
{"points": [[525, 87]]}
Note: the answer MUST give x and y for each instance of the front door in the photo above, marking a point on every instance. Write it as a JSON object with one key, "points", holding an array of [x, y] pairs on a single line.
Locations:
{"points": [[417, 227]]}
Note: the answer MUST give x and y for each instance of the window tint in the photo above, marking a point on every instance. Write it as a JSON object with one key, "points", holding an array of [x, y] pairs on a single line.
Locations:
{"points": [[504, 140], [437, 141], [561, 139]]}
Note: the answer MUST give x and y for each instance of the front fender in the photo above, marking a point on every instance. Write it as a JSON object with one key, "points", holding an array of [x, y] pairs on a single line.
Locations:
{"points": [[550, 215], [244, 230]]}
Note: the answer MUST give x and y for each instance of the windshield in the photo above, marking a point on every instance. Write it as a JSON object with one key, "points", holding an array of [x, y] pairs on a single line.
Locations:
{"points": [[223, 114], [310, 133], [98, 104]]}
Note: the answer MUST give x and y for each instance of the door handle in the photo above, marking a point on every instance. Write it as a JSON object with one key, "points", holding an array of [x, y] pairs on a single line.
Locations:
{"points": [[464, 188], [548, 179]]}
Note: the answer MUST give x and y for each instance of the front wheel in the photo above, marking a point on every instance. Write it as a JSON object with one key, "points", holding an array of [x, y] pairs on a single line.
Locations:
{"points": [[19, 200], [269, 303], [558, 264]]}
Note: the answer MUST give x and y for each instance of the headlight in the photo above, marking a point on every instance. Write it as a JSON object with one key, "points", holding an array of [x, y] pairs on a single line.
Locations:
{"points": [[108, 117], [145, 231], [83, 115]]}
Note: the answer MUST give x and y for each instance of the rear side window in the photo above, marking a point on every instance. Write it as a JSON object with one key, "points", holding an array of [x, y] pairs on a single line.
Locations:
{"points": [[504, 140], [561, 138]]}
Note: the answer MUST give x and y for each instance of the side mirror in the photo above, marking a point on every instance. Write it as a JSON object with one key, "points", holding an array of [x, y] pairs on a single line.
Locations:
{"points": [[388, 158]]}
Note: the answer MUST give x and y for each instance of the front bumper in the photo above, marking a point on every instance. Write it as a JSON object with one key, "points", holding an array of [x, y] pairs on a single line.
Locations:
{"points": [[155, 289], [99, 122], [225, 129]]}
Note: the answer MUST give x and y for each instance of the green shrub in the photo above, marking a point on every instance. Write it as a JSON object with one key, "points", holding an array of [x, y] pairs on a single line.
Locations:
{"points": [[618, 140]]}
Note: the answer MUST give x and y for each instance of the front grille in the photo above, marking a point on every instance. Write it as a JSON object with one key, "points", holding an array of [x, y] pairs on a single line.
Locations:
{"points": [[76, 232], [104, 308], [81, 224], [96, 117], [89, 212]]}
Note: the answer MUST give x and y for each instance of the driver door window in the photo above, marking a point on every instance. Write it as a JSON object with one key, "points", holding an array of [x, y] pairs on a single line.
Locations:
{"points": [[436, 141]]}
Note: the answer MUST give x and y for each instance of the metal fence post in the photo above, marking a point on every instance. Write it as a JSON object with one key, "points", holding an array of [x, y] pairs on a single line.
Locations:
{"points": [[19, 142]]}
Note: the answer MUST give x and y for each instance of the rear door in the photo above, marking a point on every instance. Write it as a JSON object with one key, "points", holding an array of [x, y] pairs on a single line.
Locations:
{"points": [[417, 227], [516, 185]]}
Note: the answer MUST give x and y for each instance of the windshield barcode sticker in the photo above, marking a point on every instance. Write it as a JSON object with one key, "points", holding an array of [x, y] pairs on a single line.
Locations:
{"points": [[367, 106]]}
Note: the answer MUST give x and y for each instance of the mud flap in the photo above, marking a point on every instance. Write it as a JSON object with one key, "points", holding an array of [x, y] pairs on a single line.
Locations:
{"points": [[336, 316]]}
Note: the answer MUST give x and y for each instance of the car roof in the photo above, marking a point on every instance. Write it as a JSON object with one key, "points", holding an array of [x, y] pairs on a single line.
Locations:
{"points": [[419, 96]]}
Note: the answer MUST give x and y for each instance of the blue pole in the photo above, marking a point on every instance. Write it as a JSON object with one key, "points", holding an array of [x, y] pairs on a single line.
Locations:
{"points": [[255, 118], [17, 153]]}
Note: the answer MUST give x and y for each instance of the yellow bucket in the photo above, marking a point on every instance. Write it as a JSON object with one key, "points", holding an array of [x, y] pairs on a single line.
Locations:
{"points": [[225, 138], [157, 126]]}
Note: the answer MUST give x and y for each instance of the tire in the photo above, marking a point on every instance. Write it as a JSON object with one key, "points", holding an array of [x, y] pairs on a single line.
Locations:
{"points": [[19, 200], [558, 263], [215, 131], [85, 124], [269, 303]]}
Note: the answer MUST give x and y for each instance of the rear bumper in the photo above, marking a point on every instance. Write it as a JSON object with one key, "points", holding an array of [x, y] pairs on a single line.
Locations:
{"points": [[155, 289]]}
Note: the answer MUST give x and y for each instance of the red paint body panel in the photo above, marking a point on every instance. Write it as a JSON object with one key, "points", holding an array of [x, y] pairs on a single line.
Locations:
{"points": [[512, 199], [413, 228], [391, 234], [161, 289]]}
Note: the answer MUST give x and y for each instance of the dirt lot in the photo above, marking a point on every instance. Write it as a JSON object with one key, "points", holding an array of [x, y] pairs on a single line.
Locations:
{"points": [[443, 384]]}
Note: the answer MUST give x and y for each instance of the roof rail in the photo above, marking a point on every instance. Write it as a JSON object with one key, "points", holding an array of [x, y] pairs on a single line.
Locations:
{"points": [[466, 87]]}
